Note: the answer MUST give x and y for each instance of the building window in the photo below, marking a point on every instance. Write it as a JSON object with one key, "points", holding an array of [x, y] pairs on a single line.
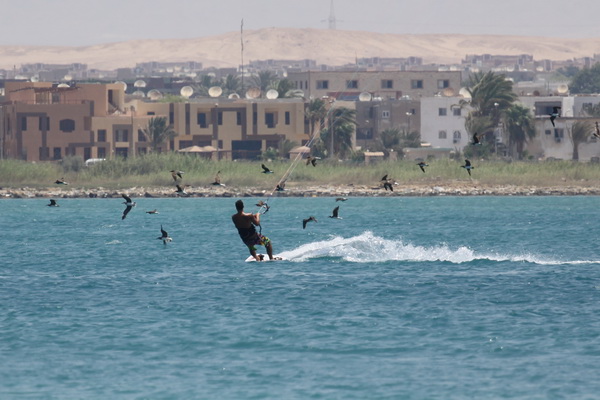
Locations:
{"points": [[442, 112], [287, 118], [56, 153], [387, 84], [101, 135], [416, 84], [270, 120], [150, 113], [238, 118], [202, 120], [352, 84], [122, 152], [185, 143], [442, 135], [23, 123], [87, 153], [101, 152], [67, 125], [121, 135], [548, 132], [456, 136], [44, 123], [254, 118], [141, 135], [171, 118], [443, 83], [385, 114], [456, 111], [322, 84], [44, 153], [220, 118]]}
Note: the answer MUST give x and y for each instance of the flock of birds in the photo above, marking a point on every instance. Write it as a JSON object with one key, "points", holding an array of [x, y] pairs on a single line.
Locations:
{"points": [[387, 183]]}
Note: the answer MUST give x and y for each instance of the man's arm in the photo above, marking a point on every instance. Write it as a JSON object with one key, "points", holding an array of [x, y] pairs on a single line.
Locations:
{"points": [[255, 218]]}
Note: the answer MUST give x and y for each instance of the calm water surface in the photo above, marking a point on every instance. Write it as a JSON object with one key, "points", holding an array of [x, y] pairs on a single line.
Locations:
{"points": [[403, 298]]}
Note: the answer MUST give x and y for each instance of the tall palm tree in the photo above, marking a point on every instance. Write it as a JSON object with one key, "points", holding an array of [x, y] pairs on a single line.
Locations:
{"points": [[491, 94], [340, 131], [579, 132], [286, 89], [232, 84], [520, 126], [315, 112], [263, 80], [158, 132]]}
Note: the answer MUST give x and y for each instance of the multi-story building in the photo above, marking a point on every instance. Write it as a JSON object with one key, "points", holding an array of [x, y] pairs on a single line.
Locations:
{"points": [[345, 85], [42, 122]]}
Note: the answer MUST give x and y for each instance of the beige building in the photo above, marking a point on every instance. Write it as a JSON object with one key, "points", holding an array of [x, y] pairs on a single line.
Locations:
{"points": [[43, 122], [344, 85]]}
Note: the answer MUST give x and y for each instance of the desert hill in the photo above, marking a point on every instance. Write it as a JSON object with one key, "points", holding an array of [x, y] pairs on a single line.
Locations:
{"points": [[333, 47]]}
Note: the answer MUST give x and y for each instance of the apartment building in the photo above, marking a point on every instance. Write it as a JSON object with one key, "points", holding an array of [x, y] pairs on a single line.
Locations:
{"points": [[346, 85], [41, 121]]}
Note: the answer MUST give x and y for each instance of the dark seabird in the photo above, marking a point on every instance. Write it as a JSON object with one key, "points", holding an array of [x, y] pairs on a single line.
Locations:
{"points": [[555, 114], [341, 199], [307, 220], [155, 211], [129, 205], [176, 174], [476, 139], [266, 170], [217, 181], [53, 203], [335, 213], [164, 236], [422, 165], [61, 181], [262, 204], [181, 191], [387, 185], [280, 186], [312, 160], [468, 166]]}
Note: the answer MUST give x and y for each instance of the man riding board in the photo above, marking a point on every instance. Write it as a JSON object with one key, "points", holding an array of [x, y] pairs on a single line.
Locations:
{"points": [[245, 224]]}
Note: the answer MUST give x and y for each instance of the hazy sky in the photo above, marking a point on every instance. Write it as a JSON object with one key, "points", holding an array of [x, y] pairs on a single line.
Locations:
{"points": [[83, 22]]}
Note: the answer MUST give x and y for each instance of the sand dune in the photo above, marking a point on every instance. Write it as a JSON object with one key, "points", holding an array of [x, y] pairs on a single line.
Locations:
{"points": [[334, 47]]}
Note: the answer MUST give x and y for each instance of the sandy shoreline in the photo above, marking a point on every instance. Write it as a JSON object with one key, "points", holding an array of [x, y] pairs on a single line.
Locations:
{"points": [[305, 191]]}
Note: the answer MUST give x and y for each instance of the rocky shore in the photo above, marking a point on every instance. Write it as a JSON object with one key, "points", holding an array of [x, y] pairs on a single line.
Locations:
{"points": [[450, 189]]}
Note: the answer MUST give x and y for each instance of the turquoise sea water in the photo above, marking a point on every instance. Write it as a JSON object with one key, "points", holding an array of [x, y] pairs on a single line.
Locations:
{"points": [[403, 298]]}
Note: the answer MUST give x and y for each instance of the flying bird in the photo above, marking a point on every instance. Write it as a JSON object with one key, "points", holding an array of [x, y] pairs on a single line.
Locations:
{"points": [[307, 220], [468, 166], [476, 140], [155, 211], [164, 236], [335, 213], [181, 191], [341, 199], [387, 185], [555, 114], [262, 204], [422, 165], [385, 178], [129, 205], [176, 174], [61, 181], [53, 203], [266, 170], [217, 181], [280, 186], [312, 160]]}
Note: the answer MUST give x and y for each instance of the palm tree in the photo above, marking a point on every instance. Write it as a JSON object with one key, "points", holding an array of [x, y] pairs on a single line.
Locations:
{"points": [[579, 132], [263, 80], [390, 137], [315, 112], [340, 130], [205, 83], [520, 126], [232, 84], [286, 89], [491, 94], [158, 132]]}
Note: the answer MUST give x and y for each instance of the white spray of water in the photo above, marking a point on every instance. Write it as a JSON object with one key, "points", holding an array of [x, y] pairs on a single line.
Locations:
{"points": [[367, 247]]}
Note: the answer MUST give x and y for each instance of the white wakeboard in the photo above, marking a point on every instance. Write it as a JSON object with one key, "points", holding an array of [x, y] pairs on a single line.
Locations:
{"points": [[265, 257]]}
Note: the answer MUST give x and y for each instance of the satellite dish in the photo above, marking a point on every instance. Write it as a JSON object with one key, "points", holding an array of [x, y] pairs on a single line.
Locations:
{"points": [[253, 93], [186, 91], [155, 95], [215, 91], [34, 79], [67, 78], [139, 84], [464, 92], [365, 96], [138, 93], [563, 88], [122, 84], [272, 94], [63, 85], [233, 96]]}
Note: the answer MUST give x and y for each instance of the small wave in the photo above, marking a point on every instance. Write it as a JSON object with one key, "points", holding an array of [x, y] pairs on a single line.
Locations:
{"points": [[367, 247], [114, 242]]}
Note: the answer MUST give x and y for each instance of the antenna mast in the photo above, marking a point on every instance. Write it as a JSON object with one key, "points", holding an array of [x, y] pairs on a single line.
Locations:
{"points": [[331, 17], [242, 49]]}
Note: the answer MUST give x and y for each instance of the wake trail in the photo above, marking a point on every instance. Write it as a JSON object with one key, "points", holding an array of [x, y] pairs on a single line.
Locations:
{"points": [[367, 247]]}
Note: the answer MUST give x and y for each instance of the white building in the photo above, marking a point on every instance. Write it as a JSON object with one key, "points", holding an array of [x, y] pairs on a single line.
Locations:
{"points": [[443, 122]]}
